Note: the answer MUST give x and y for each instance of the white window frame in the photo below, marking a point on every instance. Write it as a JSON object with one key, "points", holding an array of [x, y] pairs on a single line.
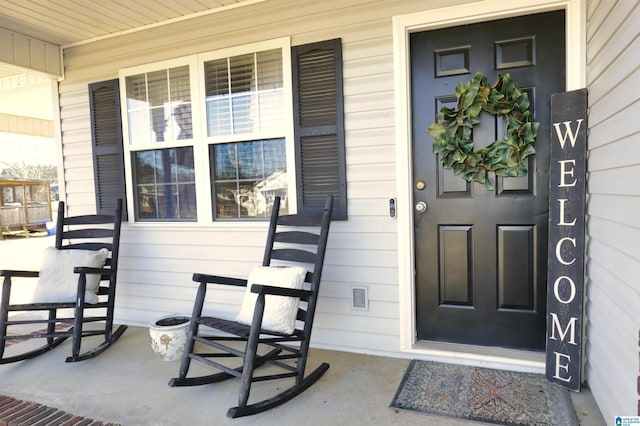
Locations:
{"points": [[201, 141]]}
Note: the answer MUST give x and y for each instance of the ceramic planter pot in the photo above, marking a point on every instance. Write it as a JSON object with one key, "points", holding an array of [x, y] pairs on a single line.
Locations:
{"points": [[168, 336]]}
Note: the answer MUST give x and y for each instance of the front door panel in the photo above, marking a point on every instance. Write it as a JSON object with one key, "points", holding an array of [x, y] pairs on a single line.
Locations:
{"points": [[481, 255]]}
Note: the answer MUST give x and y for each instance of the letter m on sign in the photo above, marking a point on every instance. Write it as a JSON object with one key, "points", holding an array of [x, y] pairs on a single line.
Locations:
{"points": [[567, 186]]}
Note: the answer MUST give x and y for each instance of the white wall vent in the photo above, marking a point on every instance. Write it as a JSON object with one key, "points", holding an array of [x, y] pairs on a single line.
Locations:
{"points": [[359, 298]]}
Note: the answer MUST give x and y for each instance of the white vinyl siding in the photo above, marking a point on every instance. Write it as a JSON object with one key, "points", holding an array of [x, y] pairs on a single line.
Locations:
{"points": [[613, 78]]}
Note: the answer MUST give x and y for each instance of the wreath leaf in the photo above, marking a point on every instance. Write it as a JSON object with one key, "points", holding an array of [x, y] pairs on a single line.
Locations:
{"points": [[453, 131]]}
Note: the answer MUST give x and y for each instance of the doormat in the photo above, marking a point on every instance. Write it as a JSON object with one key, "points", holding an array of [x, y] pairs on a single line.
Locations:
{"points": [[483, 394], [16, 412]]}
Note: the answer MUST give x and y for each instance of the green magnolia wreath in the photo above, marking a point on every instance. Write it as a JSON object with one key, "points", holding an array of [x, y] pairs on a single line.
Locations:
{"points": [[504, 157]]}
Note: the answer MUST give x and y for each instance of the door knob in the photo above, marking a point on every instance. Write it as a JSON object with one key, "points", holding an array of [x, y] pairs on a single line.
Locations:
{"points": [[421, 206]]}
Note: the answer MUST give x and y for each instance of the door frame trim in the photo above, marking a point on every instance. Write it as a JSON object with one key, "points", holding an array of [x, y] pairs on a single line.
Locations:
{"points": [[403, 26]]}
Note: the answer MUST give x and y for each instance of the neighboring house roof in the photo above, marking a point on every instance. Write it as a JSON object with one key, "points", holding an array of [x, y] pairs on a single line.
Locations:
{"points": [[4, 181]]}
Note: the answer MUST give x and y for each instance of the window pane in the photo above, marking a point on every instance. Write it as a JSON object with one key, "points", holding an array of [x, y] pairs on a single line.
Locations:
{"points": [[270, 101], [187, 200], [218, 116], [247, 177], [226, 161], [183, 166], [216, 77], [179, 81], [165, 184], [244, 93], [269, 69], [144, 166], [217, 91], [159, 106], [250, 205], [242, 73], [225, 199], [158, 123], [139, 126], [274, 157], [180, 124], [136, 91], [146, 202], [271, 112], [250, 160], [242, 114], [158, 86]]}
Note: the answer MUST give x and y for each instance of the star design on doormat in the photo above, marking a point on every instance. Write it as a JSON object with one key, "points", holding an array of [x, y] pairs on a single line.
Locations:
{"points": [[491, 390]]}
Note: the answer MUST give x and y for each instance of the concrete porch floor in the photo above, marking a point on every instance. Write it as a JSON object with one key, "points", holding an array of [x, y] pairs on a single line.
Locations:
{"points": [[128, 383]]}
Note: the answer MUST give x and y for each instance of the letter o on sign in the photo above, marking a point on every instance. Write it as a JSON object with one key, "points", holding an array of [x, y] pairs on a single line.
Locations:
{"points": [[556, 289]]}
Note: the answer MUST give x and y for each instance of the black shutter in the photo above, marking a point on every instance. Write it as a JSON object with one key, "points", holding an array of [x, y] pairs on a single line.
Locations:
{"points": [[106, 136], [319, 126]]}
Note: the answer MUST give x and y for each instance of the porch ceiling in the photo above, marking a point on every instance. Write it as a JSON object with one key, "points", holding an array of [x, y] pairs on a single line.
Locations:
{"points": [[68, 23]]}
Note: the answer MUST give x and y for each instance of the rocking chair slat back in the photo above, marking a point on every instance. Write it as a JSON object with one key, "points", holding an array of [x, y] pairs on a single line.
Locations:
{"points": [[87, 246], [87, 233], [293, 255], [297, 237]]}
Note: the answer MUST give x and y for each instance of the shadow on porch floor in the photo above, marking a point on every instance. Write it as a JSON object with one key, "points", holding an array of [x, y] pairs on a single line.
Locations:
{"points": [[128, 385]]}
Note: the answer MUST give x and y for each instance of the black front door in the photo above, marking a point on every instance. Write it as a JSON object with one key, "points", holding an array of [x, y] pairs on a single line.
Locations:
{"points": [[480, 256]]}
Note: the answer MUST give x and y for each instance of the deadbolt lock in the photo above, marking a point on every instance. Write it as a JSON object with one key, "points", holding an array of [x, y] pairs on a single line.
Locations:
{"points": [[420, 185]]}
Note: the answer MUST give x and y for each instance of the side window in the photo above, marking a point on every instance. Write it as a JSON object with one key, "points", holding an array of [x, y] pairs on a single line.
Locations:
{"points": [[160, 141], [319, 126], [247, 131], [106, 137]]}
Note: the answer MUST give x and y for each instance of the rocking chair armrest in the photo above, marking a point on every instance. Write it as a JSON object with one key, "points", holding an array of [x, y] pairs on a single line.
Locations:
{"points": [[280, 291], [91, 270], [215, 279], [18, 273]]}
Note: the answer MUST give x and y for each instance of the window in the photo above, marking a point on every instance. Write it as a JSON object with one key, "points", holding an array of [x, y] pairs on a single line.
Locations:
{"points": [[218, 135], [158, 111], [247, 176], [159, 106], [245, 102], [244, 94], [165, 184]]}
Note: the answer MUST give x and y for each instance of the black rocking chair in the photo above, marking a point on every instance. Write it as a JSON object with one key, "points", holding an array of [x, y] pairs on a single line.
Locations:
{"points": [[290, 241], [91, 282]]}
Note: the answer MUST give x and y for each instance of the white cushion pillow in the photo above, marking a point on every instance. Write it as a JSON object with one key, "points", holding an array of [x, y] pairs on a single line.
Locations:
{"points": [[58, 282], [280, 311]]}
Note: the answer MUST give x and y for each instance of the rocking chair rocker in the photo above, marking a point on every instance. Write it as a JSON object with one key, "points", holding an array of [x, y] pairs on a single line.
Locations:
{"points": [[274, 289], [78, 274]]}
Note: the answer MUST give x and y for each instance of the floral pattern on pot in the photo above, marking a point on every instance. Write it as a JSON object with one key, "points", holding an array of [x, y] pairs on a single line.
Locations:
{"points": [[168, 336]]}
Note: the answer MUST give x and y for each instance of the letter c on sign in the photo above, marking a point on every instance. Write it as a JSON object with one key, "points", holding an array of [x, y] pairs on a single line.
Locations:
{"points": [[556, 291], [559, 254]]}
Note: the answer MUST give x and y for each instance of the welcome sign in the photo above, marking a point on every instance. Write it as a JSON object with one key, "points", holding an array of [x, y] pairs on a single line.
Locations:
{"points": [[565, 285]]}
